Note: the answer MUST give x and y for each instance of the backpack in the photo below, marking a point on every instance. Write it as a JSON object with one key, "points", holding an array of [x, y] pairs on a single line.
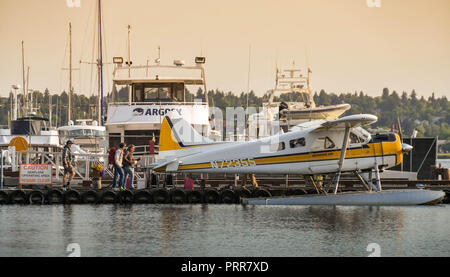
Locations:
{"points": [[112, 152]]}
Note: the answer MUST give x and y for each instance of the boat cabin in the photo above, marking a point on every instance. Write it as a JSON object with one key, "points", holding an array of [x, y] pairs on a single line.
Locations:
{"points": [[143, 95]]}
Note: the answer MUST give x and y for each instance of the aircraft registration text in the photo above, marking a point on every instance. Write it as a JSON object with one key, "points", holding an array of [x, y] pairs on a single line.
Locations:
{"points": [[233, 163]]}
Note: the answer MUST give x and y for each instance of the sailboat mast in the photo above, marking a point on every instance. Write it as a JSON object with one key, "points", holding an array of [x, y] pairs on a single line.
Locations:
{"points": [[50, 109], [27, 90], [24, 108], [100, 63], [69, 112], [129, 51]]}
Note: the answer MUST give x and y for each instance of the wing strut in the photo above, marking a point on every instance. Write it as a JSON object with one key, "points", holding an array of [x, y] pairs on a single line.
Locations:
{"points": [[341, 159]]}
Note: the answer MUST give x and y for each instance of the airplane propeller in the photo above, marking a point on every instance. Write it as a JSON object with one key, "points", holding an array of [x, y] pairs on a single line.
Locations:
{"points": [[406, 148]]}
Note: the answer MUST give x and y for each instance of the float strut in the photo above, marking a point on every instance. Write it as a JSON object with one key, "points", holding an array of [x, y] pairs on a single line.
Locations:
{"points": [[342, 158], [377, 177]]}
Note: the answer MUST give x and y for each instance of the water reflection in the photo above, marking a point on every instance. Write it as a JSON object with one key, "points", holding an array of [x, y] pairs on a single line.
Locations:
{"points": [[221, 230]]}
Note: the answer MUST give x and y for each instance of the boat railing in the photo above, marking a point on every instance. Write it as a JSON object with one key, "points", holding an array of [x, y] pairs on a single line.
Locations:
{"points": [[83, 163], [145, 150], [157, 103], [190, 75]]}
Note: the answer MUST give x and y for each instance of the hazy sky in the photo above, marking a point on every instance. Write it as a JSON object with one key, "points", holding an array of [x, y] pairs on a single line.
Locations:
{"points": [[403, 44]]}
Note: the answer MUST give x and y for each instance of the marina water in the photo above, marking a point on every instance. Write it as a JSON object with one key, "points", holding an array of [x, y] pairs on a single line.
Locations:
{"points": [[223, 230]]}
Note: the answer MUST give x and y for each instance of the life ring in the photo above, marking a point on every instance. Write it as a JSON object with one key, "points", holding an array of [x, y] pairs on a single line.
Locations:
{"points": [[228, 196], [4, 198], [244, 193], [108, 197], [55, 196], [161, 196], [17, 197], [72, 197], [194, 197], [178, 196], [36, 197], [90, 197], [125, 197], [261, 193], [211, 196], [143, 197]]}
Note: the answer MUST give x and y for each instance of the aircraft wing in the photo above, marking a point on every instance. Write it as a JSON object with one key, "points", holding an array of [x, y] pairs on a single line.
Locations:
{"points": [[350, 121], [172, 163]]}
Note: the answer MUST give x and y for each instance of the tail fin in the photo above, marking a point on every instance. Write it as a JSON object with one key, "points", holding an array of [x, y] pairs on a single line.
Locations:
{"points": [[178, 134]]}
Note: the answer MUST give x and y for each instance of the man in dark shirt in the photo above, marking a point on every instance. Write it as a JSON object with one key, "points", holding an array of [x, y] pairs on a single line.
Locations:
{"points": [[67, 159]]}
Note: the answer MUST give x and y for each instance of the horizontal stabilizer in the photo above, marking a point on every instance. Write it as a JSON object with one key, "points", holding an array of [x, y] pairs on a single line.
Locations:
{"points": [[171, 165]]}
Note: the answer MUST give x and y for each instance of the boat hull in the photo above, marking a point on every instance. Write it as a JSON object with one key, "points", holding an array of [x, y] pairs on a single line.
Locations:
{"points": [[383, 198]]}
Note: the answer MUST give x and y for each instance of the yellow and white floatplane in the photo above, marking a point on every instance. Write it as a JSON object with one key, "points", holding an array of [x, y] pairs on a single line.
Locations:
{"points": [[314, 148]]}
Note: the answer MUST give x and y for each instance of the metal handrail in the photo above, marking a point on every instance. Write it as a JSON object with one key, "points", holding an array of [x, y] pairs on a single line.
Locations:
{"points": [[55, 159]]}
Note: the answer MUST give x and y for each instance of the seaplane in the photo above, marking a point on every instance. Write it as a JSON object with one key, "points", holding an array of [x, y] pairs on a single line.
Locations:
{"points": [[322, 147]]}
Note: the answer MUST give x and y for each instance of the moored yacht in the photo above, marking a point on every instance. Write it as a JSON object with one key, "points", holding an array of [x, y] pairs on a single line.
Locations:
{"points": [[153, 91], [86, 134], [282, 115]]}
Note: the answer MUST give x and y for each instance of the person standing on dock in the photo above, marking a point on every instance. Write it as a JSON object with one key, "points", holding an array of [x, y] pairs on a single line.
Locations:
{"points": [[189, 182], [118, 170], [128, 165], [67, 159]]}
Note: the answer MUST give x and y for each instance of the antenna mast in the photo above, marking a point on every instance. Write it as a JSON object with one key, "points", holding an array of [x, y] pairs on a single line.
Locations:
{"points": [[71, 69], [248, 91], [24, 108], [129, 51], [100, 64], [69, 112]]}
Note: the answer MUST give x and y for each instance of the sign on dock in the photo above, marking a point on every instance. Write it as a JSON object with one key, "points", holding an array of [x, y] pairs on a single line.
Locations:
{"points": [[35, 174]]}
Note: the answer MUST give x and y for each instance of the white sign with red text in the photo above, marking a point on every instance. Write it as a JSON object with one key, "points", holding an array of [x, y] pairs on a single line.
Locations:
{"points": [[35, 174]]}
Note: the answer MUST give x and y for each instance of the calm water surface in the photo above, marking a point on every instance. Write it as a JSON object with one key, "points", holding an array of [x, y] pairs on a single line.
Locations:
{"points": [[224, 230]]}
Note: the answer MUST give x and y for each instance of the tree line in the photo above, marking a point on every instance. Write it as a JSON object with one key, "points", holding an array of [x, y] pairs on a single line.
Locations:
{"points": [[430, 116]]}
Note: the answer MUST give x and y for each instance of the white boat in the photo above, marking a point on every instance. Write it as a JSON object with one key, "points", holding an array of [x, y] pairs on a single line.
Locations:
{"points": [[89, 137], [373, 198], [153, 91], [26, 120], [285, 114], [42, 139]]}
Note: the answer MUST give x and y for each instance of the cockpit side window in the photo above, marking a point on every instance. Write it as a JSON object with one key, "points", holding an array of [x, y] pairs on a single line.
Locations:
{"points": [[277, 147], [383, 138], [329, 144], [300, 142], [322, 143]]}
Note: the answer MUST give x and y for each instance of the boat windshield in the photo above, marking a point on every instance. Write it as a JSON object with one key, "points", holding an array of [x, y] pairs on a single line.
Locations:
{"points": [[76, 133], [86, 132], [158, 92]]}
